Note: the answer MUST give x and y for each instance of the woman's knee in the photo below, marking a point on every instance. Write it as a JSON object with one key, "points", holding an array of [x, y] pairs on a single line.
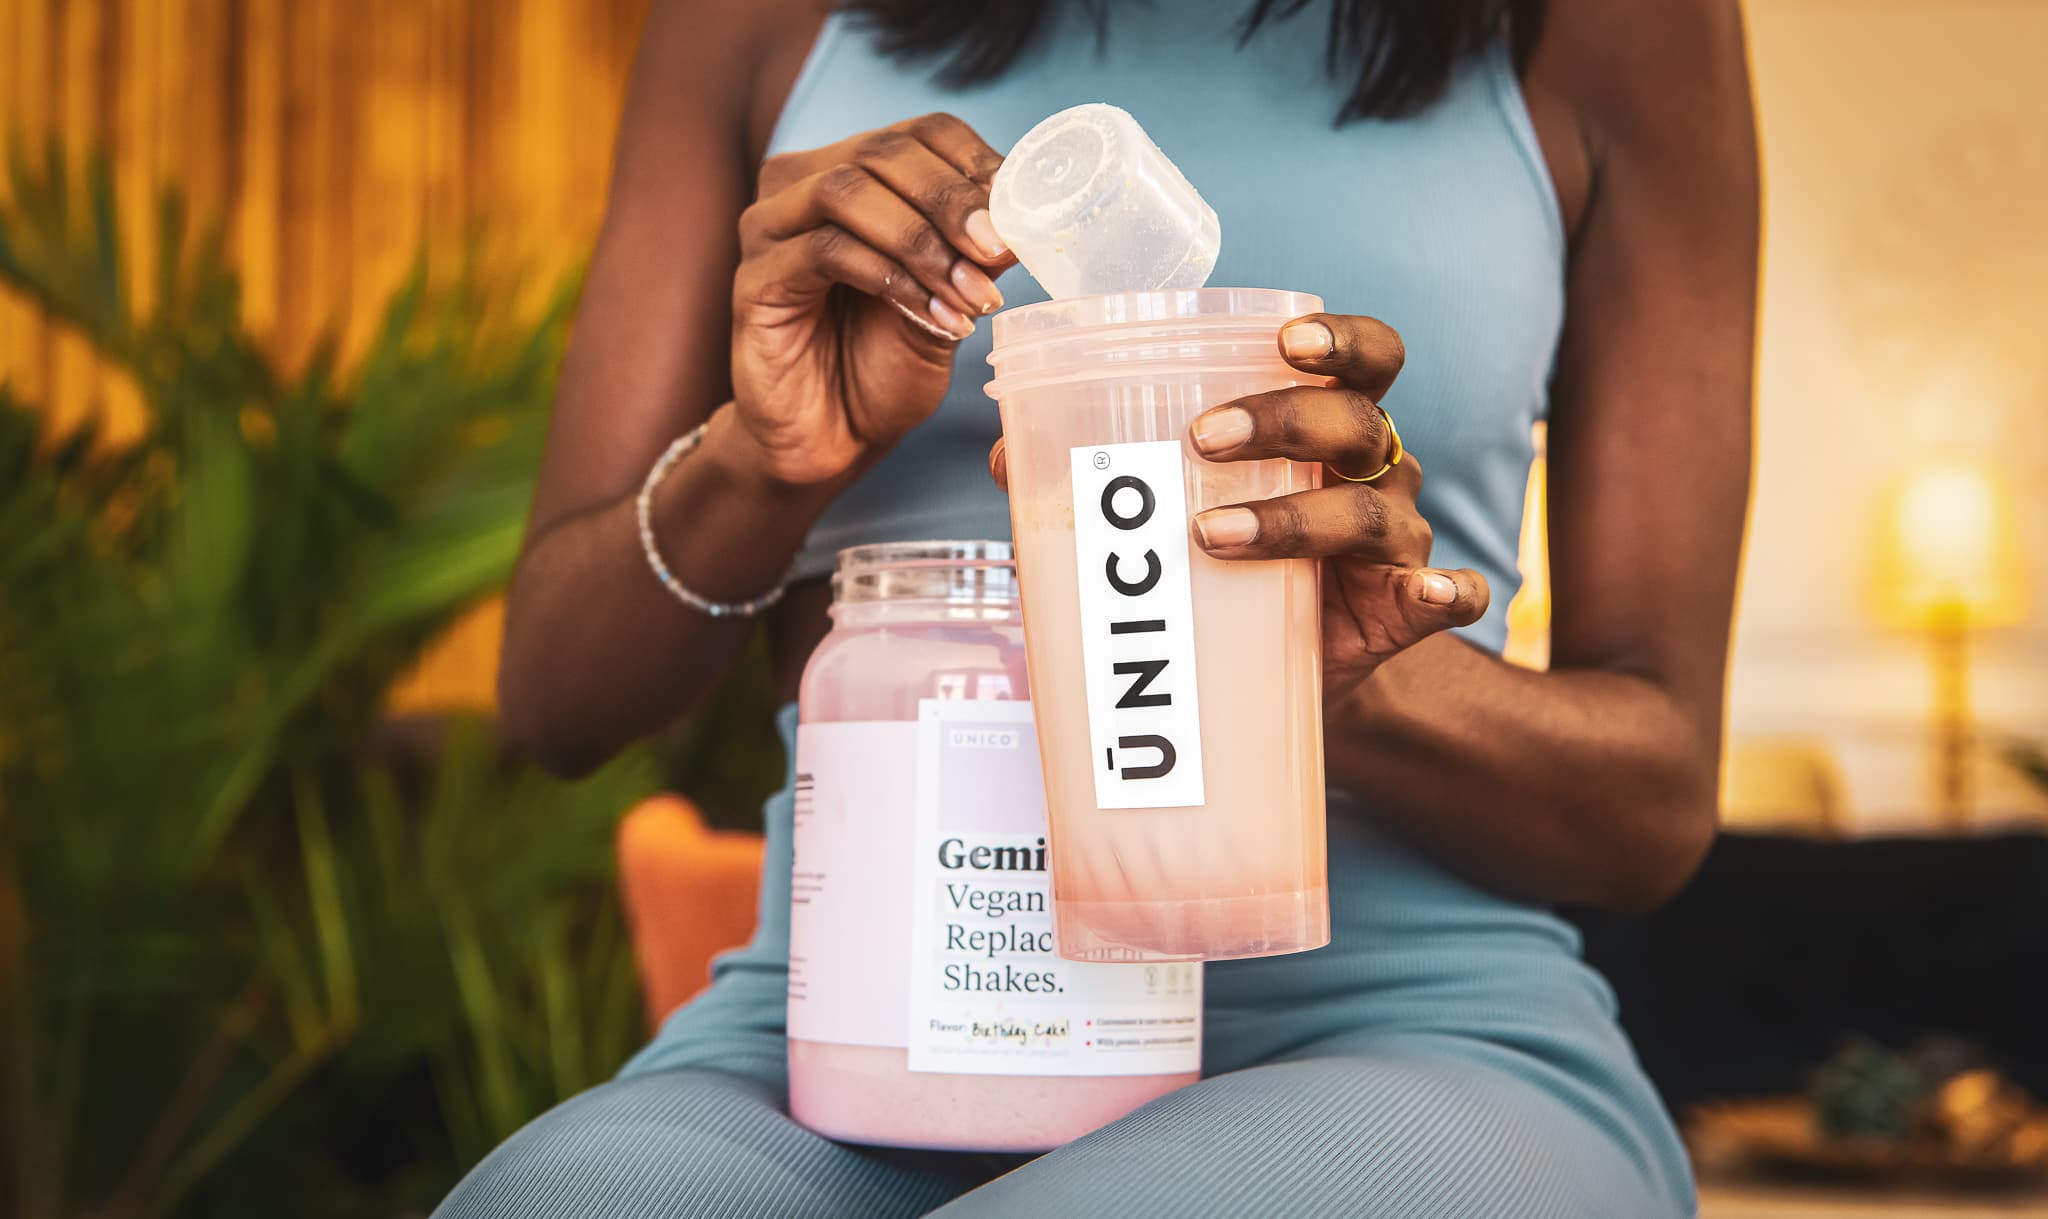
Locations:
{"points": [[695, 1143], [618, 1148], [1345, 1135]]}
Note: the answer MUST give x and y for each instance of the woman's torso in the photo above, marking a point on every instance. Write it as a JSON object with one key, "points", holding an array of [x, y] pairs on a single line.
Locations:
{"points": [[1446, 226]]}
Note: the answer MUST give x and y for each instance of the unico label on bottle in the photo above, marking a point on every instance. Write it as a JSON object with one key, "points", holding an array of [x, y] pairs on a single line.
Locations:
{"points": [[1137, 624]]}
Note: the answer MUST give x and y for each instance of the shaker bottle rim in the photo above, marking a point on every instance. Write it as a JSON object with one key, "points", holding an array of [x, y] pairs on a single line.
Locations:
{"points": [[1122, 333], [1222, 306]]}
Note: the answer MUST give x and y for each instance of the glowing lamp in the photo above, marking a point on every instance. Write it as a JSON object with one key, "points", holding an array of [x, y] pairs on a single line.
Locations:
{"points": [[1949, 563]]}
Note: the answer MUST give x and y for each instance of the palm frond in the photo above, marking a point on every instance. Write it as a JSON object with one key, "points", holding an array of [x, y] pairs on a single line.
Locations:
{"points": [[258, 938]]}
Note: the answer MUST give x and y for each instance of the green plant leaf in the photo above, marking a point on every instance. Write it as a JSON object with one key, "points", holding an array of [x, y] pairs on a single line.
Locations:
{"points": [[201, 794]]}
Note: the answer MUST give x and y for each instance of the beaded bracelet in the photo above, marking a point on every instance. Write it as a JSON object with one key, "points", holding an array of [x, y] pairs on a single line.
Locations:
{"points": [[644, 509]]}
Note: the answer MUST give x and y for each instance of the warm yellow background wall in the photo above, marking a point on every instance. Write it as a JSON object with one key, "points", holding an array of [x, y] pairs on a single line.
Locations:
{"points": [[1905, 317], [336, 138]]}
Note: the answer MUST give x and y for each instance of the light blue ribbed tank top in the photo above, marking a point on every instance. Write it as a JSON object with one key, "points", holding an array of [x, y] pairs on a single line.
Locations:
{"points": [[1444, 225]]}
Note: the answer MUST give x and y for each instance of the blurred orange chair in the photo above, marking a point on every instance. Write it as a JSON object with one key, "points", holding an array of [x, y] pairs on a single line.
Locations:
{"points": [[690, 892]]}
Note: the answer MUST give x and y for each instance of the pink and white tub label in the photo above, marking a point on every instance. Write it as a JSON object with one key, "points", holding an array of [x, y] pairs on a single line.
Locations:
{"points": [[933, 931]]}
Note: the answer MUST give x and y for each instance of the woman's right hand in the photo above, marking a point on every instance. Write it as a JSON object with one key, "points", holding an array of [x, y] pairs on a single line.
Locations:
{"points": [[863, 264]]}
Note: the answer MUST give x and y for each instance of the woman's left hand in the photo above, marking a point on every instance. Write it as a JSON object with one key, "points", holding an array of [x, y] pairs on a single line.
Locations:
{"points": [[1379, 594]]}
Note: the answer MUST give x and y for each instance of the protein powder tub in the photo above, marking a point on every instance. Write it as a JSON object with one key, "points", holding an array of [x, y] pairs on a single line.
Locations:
{"points": [[927, 1007]]}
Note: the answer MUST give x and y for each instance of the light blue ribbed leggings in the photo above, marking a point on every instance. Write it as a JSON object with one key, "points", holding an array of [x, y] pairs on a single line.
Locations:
{"points": [[1448, 1055]]}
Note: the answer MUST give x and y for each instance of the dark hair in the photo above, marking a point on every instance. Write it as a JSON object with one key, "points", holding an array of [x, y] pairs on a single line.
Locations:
{"points": [[1399, 54]]}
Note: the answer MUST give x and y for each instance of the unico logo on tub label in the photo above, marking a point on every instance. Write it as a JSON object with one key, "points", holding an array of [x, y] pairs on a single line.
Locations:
{"points": [[1137, 624]]}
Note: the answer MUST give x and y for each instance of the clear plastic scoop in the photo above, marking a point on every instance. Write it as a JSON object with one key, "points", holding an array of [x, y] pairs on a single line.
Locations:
{"points": [[1090, 205]]}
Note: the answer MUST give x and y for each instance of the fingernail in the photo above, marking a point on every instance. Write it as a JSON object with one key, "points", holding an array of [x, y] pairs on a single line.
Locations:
{"points": [[976, 287], [1306, 341], [1437, 589], [995, 456], [1223, 430], [921, 322], [951, 320], [982, 231], [1223, 528]]}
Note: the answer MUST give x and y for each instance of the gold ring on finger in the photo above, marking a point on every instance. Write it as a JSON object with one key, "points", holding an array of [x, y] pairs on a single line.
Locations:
{"points": [[1393, 459]]}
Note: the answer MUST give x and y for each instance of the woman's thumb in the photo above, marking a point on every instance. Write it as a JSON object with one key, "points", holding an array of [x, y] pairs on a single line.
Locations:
{"points": [[1437, 598]]}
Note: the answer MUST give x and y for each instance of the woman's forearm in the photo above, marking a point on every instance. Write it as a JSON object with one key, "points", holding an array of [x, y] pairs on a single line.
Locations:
{"points": [[1580, 786], [597, 653]]}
